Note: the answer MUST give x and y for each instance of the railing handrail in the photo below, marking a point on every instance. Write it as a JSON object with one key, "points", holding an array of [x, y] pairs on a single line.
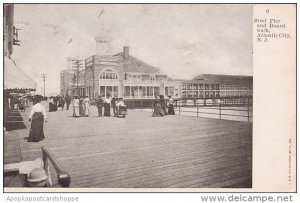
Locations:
{"points": [[217, 106], [64, 179]]}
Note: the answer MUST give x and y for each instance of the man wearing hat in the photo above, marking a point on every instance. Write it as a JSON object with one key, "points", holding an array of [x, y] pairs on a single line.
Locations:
{"points": [[100, 105], [107, 102], [113, 105], [37, 177]]}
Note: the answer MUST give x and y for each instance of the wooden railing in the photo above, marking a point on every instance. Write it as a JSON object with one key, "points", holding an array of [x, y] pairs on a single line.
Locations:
{"points": [[64, 178], [219, 106]]}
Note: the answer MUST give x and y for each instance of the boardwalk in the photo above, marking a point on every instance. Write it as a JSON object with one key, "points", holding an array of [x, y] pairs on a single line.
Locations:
{"points": [[145, 152]]}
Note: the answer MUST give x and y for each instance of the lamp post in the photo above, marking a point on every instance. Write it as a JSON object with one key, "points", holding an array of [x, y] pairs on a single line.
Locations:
{"points": [[44, 79]]}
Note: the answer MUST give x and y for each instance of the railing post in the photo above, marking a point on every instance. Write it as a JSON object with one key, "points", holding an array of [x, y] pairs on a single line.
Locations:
{"points": [[64, 178], [153, 107], [220, 113], [46, 168], [197, 110], [179, 109]]}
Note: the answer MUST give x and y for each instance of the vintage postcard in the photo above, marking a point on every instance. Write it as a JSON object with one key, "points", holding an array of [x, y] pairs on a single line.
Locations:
{"points": [[149, 97]]}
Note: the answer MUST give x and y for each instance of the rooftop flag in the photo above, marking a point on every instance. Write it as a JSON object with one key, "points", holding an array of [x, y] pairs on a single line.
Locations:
{"points": [[101, 13]]}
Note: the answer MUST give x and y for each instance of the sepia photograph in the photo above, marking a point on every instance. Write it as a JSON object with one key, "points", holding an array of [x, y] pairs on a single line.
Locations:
{"points": [[132, 96]]}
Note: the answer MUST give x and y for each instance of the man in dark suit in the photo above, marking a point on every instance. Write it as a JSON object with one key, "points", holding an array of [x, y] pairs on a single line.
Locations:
{"points": [[99, 105]]}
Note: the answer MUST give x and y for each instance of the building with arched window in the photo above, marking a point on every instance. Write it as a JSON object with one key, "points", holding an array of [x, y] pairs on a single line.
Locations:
{"points": [[122, 75]]}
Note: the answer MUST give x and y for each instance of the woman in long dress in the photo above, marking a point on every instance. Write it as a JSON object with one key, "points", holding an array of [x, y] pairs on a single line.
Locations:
{"points": [[163, 104], [86, 106], [54, 106], [81, 107], [51, 104], [157, 110], [37, 117], [107, 101], [171, 110], [76, 107]]}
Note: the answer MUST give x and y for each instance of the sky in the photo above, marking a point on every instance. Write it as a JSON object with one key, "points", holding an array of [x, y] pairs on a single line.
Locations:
{"points": [[182, 40]]}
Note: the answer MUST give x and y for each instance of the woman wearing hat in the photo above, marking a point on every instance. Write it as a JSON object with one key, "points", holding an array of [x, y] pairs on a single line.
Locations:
{"points": [[107, 102], [171, 110], [86, 102], [81, 106], [163, 104], [157, 110], [37, 117]]}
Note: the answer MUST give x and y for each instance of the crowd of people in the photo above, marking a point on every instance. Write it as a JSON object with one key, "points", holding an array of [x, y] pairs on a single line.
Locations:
{"points": [[160, 106], [81, 108], [59, 101], [18, 103]]}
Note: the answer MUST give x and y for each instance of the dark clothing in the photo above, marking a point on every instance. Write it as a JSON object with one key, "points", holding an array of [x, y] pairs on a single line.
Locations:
{"points": [[99, 102], [50, 107], [61, 103], [99, 106], [81, 108], [37, 128], [114, 110], [171, 109], [157, 110], [163, 106], [107, 109], [54, 105], [100, 111], [68, 102], [113, 104]]}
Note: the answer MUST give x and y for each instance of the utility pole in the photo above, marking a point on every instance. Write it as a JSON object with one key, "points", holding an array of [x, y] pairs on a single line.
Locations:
{"points": [[77, 66], [44, 79], [74, 63], [77, 69]]}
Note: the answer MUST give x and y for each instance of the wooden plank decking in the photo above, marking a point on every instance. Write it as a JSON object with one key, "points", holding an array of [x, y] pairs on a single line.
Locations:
{"points": [[145, 152]]}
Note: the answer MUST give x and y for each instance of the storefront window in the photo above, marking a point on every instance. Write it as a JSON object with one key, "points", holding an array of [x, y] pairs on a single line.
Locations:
{"points": [[201, 94], [150, 91], [156, 91], [102, 91], [140, 92], [115, 91], [169, 91], [127, 91], [144, 91], [134, 91]]}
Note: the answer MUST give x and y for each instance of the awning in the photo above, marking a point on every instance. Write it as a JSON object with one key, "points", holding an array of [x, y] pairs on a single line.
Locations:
{"points": [[15, 79]]}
